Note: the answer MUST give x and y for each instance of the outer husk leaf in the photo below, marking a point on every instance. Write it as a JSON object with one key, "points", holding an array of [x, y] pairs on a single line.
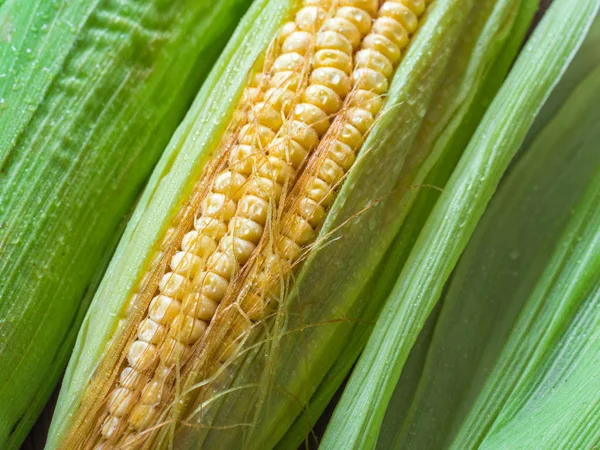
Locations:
{"points": [[90, 93], [452, 221]]}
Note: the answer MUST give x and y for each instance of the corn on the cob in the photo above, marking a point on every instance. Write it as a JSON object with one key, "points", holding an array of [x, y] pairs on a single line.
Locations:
{"points": [[331, 58]]}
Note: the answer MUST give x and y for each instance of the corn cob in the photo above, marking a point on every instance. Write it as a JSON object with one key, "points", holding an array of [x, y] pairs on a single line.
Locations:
{"points": [[284, 114]]}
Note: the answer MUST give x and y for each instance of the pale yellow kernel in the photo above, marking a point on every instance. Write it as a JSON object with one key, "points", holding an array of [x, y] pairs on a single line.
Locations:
{"points": [[152, 393], [401, 14], [207, 226], [333, 58], [333, 78], [288, 80], [142, 416], [289, 62], [313, 116], [287, 29], [368, 100], [174, 285], [298, 42], [223, 264], [342, 154], [200, 306], [246, 229], [277, 170], [230, 184], [312, 211], [392, 30], [120, 402], [111, 427], [333, 40], [264, 188], [218, 206], [264, 114], [213, 285], [141, 355], [369, 6], [330, 172], [257, 136], [252, 95], [288, 249], [299, 230], [186, 263], [130, 378], [370, 80], [254, 207], [319, 191], [348, 134], [303, 134], [198, 243], [310, 18], [257, 79], [372, 59], [417, 6], [150, 331], [361, 119], [241, 249], [172, 352], [345, 28], [241, 158], [361, 19], [289, 151], [323, 97], [280, 99], [383, 45], [163, 309], [187, 329]]}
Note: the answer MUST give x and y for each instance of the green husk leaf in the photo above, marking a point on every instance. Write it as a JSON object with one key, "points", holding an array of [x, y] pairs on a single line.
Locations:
{"points": [[452, 222], [90, 93]]}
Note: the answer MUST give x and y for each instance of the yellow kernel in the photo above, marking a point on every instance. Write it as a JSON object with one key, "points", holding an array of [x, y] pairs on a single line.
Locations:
{"points": [[254, 207], [361, 19], [370, 80], [289, 62], [312, 211], [287, 29], [298, 42], [241, 158], [342, 154], [186, 263], [257, 79], [264, 114], [239, 248], [141, 355], [303, 134], [330, 172], [280, 99], [312, 116], [130, 378], [286, 80], [289, 151], [310, 18], [333, 78], [163, 309], [257, 136], [218, 206], [319, 191], [246, 229], [361, 119], [172, 352], [369, 6], [401, 14], [383, 45], [372, 59], [288, 249], [392, 30], [251, 95], [120, 402], [213, 285], [368, 100], [207, 226], [142, 416], [111, 427], [264, 188], [173, 285], [417, 6], [151, 332], [345, 28], [229, 183], [348, 134], [200, 306], [223, 264], [323, 97], [299, 230], [152, 393], [187, 329], [277, 170], [332, 40], [199, 243], [333, 58]]}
